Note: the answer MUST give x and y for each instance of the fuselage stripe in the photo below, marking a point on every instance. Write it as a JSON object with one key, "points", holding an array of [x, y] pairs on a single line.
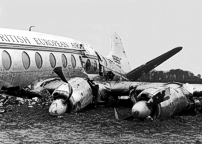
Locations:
{"points": [[39, 48]]}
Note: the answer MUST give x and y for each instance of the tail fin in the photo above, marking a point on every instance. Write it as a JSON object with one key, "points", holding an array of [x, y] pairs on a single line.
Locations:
{"points": [[118, 54]]}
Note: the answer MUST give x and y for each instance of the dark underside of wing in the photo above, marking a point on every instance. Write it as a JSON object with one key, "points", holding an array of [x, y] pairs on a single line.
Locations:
{"points": [[145, 68]]}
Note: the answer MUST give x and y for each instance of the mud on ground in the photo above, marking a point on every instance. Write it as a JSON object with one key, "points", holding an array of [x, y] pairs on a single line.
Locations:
{"points": [[95, 125]]}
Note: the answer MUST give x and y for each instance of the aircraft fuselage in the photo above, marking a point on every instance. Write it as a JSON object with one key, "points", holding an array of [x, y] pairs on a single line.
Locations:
{"points": [[29, 56]]}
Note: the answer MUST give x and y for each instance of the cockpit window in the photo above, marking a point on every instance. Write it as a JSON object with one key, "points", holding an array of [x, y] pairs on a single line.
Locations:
{"points": [[52, 60], [25, 60], [6, 60]]}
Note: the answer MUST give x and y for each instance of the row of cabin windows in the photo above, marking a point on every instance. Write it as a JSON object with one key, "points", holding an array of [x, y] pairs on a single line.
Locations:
{"points": [[7, 61]]}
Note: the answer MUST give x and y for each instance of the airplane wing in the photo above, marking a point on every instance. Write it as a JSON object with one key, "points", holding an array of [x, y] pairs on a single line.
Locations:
{"points": [[145, 68]]}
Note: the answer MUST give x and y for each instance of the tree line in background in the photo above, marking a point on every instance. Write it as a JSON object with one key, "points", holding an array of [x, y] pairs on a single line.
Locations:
{"points": [[177, 75]]}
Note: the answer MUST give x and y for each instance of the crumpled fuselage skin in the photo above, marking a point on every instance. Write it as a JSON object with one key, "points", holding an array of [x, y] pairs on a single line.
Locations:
{"points": [[84, 92]]}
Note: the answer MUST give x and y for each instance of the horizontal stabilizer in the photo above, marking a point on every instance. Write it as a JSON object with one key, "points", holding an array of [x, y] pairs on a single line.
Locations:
{"points": [[145, 68]]}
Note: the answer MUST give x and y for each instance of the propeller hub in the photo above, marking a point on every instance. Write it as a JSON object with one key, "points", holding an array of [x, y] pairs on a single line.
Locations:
{"points": [[140, 110], [58, 107]]}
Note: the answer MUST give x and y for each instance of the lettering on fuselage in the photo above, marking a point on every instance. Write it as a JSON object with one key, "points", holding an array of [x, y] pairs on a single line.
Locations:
{"points": [[14, 39], [37, 41], [75, 45], [54, 43]]}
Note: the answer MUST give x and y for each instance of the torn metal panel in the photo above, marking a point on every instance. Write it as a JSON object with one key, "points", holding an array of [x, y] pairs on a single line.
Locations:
{"points": [[81, 96], [176, 103], [167, 100]]}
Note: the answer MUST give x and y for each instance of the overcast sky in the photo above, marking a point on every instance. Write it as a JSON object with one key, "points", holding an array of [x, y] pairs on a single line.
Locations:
{"points": [[147, 28]]}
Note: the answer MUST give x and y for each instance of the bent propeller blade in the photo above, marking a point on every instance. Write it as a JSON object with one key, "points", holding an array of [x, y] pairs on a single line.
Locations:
{"points": [[116, 114], [58, 71]]}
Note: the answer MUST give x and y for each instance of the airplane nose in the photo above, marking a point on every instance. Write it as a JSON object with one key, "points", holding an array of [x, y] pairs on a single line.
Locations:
{"points": [[140, 110]]}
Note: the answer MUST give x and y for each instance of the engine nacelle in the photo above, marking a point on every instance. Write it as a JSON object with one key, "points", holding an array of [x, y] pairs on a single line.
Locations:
{"points": [[82, 93], [74, 95]]}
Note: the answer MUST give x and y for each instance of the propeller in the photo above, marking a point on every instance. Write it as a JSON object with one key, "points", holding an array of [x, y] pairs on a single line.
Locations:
{"points": [[58, 71], [116, 114]]}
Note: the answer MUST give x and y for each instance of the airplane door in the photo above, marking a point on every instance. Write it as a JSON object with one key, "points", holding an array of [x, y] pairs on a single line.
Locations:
{"points": [[101, 67]]}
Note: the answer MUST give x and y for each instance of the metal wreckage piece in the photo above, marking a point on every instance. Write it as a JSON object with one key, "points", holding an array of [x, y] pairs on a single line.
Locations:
{"points": [[62, 95], [15, 96], [166, 101], [162, 101], [74, 95]]}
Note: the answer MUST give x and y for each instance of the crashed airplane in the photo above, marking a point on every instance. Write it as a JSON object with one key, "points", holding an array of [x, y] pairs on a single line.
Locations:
{"points": [[69, 71]]}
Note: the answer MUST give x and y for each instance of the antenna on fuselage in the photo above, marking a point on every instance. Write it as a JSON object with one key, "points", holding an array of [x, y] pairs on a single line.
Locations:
{"points": [[30, 28]]}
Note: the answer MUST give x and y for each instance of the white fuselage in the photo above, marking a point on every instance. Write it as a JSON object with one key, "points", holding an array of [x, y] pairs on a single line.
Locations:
{"points": [[29, 56]]}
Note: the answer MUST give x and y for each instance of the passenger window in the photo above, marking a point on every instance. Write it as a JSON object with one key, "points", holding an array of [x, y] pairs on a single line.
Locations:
{"points": [[38, 60], [52, 60], [25, 60], [95, 66], [73, 60], [64, 61], [6, 60], [88, 64]]}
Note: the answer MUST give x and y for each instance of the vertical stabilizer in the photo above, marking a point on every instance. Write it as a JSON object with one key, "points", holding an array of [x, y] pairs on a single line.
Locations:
{"points": [[118, 54]]}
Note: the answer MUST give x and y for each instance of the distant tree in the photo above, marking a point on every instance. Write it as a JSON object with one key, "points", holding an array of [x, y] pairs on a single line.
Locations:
{"points": [[171, 75], [199, 76]]}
